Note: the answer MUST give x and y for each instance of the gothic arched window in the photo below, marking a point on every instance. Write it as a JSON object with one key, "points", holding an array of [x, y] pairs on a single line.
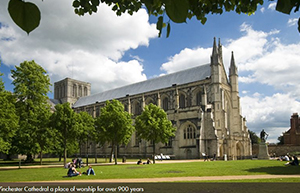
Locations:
{"points": [[189, 132], [181, 101], [63, 91], [97, 111], [57, 93], [126, 107], [165, 104], [60, 92], [149, 101], [80, 91], [198, 98], [74, 90], [85, 91], [136, 108]]}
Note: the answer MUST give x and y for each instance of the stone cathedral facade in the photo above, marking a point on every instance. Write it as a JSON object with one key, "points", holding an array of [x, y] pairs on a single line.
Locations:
{"points": [[202, 102]]}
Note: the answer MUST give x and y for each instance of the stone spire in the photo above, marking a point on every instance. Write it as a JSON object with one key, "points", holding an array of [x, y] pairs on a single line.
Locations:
{"points": [[215, 59], [220, 50], [232, 68], [233, 75]]}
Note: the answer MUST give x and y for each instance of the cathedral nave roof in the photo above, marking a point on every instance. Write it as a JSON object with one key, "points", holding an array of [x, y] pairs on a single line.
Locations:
{"points": [[182, 77]]}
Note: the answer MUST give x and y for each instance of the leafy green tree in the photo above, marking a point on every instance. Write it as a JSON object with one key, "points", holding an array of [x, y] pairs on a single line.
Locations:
{"points": [[31, 87], [86, 128], [65, 121], [153, 125], [8, 118], [45, 135], [114, 125], [281, 139], [254, 138], [27, 15]]}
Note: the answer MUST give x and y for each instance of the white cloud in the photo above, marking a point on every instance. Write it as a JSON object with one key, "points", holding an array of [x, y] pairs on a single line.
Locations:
{"points": [[246, 48], [272, 6], [187, 58], [87, 48], [245, 91], [137, 58], [292, 22], [271, 113], [262, 10], [276, 67]]}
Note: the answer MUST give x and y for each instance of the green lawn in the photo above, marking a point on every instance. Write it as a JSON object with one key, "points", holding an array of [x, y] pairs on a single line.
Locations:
{"points": [[54, 161], [217, 168]]}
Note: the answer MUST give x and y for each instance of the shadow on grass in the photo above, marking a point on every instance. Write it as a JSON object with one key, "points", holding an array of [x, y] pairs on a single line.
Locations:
{"points": [[277, 170], [134, 167]]}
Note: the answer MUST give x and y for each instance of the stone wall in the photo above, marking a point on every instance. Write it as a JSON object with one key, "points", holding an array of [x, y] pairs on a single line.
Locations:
{"points": [[279, 150]]}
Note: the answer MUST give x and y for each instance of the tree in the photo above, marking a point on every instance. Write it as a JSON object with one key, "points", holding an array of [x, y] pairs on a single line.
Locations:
{"points": [[45, 135], [27, 15], [114, 125], [86, 128], [281, 139], [65, 121], [8, 119], [154, 125], [31, 87], [254, 138]]}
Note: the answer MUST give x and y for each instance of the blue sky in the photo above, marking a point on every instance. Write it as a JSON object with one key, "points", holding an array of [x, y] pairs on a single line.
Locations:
{"points": [[110, 51]]}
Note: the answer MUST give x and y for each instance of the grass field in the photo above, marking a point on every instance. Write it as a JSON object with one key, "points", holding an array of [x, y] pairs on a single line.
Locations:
{"points": [[52, 161], [216, 168]]}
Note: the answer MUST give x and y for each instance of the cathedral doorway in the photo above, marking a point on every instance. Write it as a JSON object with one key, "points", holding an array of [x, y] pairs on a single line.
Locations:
{"points": [[221, 151], [188, 154], [239, 150]]}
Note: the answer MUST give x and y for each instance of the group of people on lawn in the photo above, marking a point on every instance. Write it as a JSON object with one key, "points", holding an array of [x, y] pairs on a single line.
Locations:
{"points": [[290, 160], [139, 162], [77, 163], [73, 172]]}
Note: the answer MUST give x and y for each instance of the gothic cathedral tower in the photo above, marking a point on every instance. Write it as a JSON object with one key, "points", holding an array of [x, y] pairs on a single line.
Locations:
{"points": [[230, 128], [69, 90]]}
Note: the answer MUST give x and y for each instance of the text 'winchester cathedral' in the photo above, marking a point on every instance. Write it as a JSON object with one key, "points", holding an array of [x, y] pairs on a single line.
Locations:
{"points": [[202, 102]]}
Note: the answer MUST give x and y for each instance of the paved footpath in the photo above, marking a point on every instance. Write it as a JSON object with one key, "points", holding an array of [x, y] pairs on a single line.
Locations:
{"points": [[184, 179]]}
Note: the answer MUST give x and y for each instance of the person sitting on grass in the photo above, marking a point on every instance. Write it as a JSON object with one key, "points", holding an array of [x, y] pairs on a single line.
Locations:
{"points": [[149, 161], [72, 171], [90, 171], [139, 162]]}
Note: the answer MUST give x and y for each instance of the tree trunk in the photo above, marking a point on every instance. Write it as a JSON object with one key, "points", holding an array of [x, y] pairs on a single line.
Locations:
{"points": [[29, 158], [116, 154], [65, 147], [65, 152], [95, 153], [41, 157], [153, 153], [8, 157], [111, 154]]}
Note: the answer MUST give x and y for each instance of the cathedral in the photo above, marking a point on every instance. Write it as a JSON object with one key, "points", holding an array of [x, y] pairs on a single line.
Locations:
{"points": [[202, 103]]}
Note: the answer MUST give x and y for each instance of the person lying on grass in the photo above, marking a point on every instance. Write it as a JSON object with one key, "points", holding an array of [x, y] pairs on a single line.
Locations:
{"points": [[294, 162]]}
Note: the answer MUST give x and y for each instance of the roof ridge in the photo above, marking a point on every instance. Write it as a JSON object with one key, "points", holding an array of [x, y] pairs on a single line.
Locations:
{"points": [[157, 77], [147, 85]]}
